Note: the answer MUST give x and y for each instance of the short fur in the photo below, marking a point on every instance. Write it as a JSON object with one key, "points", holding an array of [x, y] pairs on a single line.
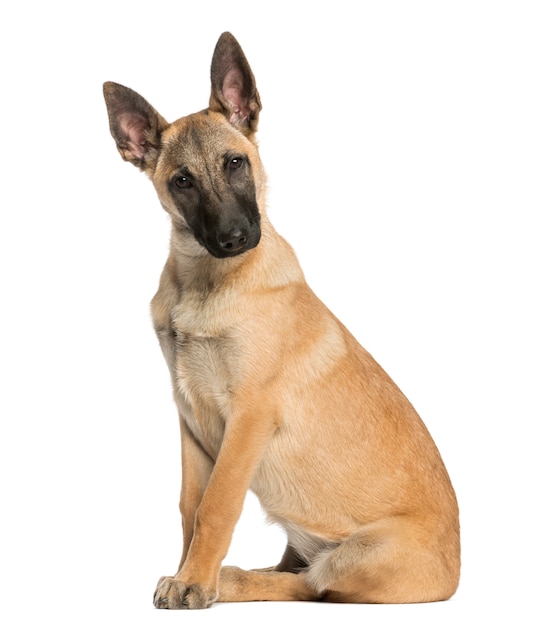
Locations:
{"points": [[273, 393]]}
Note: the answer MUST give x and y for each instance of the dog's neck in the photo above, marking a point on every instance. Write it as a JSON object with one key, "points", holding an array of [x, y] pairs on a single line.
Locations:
{"points": [[271, 266]]}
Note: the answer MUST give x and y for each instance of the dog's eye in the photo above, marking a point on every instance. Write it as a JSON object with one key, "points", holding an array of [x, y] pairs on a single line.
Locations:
{"points": [[183, 182], [235, 163]]}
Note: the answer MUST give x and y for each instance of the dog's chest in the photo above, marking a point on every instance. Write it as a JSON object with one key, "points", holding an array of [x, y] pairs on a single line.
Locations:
{"points": [[203, 378], [201, 368]]}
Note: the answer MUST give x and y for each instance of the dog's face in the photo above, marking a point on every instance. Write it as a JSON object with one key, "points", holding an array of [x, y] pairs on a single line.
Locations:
{"points": [[207, 176], [205, 167]]}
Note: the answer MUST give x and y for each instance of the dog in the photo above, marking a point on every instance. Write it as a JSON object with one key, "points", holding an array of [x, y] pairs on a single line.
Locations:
{"points": [[273, 392]]}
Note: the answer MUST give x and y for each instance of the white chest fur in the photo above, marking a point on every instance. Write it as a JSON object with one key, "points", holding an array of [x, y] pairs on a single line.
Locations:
{"points": [[203, 385]]}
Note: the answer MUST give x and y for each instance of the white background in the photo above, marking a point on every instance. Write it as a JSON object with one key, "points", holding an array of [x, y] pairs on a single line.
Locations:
{"points": [[399, 138]]}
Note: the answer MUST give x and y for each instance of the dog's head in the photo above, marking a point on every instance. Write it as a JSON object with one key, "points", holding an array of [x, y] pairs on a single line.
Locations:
{"points": [[205, 167]]}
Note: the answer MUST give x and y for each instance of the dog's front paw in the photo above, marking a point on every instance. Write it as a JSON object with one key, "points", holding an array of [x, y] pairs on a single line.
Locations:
{"points": [[172, 593]]}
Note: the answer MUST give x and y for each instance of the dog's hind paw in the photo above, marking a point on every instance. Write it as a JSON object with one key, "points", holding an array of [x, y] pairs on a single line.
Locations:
{"points": [[172, 593]]}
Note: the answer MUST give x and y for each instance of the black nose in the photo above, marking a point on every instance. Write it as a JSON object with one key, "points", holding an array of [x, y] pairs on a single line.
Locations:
{"points": [[233, 241]]}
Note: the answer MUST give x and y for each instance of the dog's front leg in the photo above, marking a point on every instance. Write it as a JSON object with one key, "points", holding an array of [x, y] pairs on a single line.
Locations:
{"points": [[197, 467], [195, 586]]}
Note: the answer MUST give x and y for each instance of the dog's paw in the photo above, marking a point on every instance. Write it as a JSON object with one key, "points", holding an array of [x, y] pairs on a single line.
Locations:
{"points": [[172, 593]]}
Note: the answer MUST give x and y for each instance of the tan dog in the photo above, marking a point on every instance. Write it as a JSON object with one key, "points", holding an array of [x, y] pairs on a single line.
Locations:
{"points": [[273, 393]]}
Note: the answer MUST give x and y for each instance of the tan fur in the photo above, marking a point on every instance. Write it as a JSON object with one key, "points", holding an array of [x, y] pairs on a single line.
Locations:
{"points": [[275, 395]]}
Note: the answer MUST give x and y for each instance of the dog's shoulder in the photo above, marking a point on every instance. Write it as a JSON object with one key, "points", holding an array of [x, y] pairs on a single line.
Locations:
{"points": [[167, 296]]}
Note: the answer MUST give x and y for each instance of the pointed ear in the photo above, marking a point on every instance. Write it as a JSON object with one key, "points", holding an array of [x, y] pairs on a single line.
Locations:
{"points": [[134, 124], [233, 86]]}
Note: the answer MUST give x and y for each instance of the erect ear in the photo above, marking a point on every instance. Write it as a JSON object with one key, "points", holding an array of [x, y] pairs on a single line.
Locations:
{"points": [[233, 86], [134, 124]]}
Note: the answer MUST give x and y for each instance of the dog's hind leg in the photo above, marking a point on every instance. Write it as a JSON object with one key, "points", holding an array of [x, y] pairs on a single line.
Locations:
{"points": [[390, 561], [237, 585]]}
